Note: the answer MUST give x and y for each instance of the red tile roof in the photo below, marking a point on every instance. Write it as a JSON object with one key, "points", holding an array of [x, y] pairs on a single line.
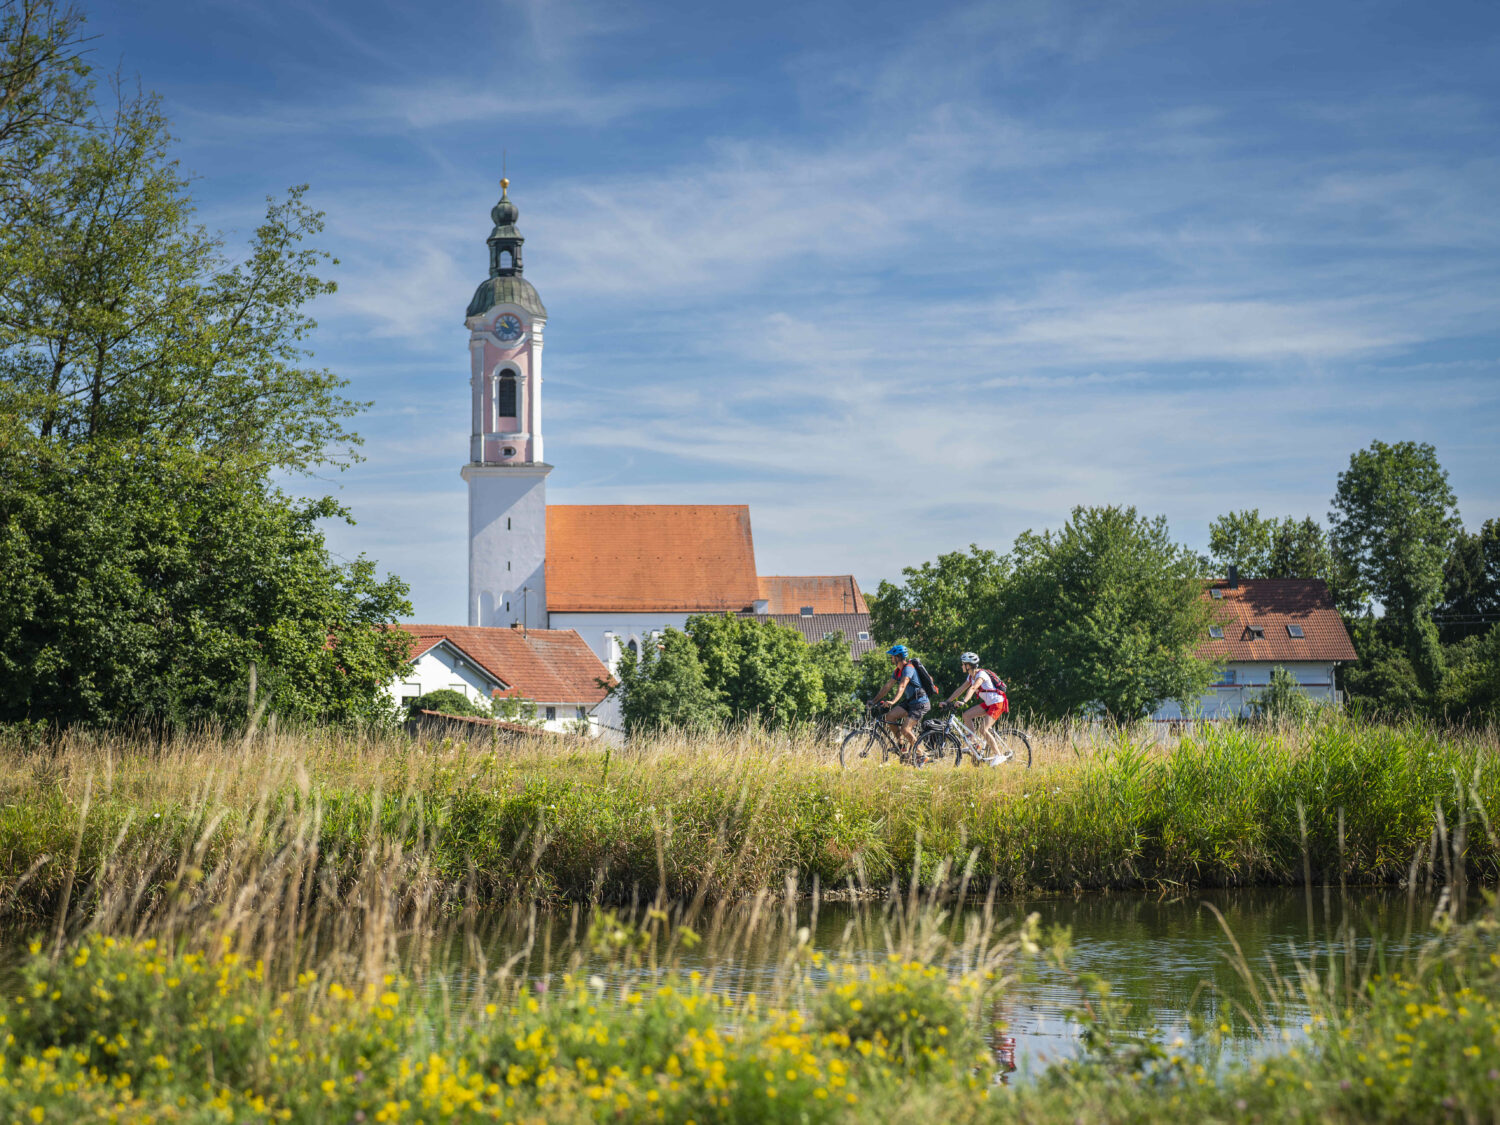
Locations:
{"points": [[826, 593], [649, 557], [543, 665], [1273, 604]]}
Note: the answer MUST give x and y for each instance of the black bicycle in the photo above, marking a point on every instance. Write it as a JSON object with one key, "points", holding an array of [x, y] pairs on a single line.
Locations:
{"points": [[873, 743], [940, 737]]}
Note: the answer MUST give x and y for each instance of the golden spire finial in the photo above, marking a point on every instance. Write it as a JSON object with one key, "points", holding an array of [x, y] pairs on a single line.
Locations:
{"points": [[504, 183]]}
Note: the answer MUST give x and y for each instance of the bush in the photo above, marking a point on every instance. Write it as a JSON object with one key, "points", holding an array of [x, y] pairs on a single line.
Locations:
{"points": [[448, 702]]}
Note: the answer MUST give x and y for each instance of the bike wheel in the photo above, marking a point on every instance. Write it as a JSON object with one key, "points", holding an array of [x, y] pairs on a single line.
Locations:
{"points": [[861, 747], [936, 745], [1016, 744]]}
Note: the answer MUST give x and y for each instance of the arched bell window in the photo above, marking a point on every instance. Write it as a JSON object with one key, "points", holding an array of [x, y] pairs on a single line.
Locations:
{"points": [[505, 395]]}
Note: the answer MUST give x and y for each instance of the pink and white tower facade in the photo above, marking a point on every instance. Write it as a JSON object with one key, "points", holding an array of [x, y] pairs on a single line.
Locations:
{"points": [[506, 475]]}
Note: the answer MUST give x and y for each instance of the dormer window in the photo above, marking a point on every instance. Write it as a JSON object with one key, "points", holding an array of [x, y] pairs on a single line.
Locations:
{"points": [[1257, 632], [806, 611]]}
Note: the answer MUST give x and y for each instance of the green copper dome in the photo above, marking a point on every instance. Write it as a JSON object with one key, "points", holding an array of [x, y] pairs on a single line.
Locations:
{"points": [[511, 290]]}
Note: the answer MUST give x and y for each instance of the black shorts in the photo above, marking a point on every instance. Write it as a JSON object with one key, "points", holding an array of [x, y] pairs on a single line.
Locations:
{"points": [[917, 707]]}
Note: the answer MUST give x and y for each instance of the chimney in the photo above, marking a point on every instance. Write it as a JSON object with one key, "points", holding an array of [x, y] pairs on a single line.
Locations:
{"points": [[1234, 577], [516, 625]]}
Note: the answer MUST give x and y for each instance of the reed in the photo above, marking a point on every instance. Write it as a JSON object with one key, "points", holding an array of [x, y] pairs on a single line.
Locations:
{"points": [[88, 814]]}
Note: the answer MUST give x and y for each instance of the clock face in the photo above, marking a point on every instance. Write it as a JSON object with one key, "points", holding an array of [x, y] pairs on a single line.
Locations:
{"points": [[508, 328]]}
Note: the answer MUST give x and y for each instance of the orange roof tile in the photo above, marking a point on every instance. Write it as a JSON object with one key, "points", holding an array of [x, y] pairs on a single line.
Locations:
{"points": [[649, 557], [1273, 604], [826, 593], [543, 665]]}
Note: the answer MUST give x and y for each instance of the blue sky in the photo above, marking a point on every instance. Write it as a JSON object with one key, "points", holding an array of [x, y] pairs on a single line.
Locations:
{"points": [[900, 277]]}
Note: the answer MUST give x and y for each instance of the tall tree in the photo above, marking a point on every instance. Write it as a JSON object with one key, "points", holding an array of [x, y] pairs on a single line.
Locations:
{"points": [[1471, 585], [1242, 540], [943, 608], [145, 585], [760, 669], [43, 88], [122, 318], [1394, 519], [1105, 614]]}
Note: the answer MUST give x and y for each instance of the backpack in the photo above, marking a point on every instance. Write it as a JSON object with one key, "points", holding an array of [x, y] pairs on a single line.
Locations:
{"points": [[924, 677], [998, 682]]}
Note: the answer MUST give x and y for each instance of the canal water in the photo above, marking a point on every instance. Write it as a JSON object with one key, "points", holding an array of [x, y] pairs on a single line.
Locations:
{"points": [[1167, 956]]}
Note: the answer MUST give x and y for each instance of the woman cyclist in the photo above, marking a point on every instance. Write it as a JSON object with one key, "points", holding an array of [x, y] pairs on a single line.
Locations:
{"points": [[992, 703], [911, 702]]}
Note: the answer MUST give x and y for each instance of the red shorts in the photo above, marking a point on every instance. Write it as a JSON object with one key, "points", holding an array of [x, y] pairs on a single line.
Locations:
{"points": [[995, 710]]}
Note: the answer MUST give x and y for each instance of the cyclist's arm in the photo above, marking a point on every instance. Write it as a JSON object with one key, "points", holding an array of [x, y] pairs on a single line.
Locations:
{"points": [[885, 687], [967, 694]]}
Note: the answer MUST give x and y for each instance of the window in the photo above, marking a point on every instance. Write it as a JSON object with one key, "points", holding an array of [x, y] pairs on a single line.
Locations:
{"points": [[828, 636], [1294, 631], [864, 636], [507, 523], [506, 261], [806, 611], [635, 649], [551, 714], [1229, 676], [505, 395], [1216, 632], [582, 714], [1215, 593], [1257, 632], [509, 451]]}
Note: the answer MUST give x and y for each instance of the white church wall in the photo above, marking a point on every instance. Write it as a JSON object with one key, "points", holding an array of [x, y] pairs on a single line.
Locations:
{"points": [[507, 544]]}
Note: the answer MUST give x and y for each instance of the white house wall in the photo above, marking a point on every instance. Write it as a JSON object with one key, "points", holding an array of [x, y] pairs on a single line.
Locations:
{"points": [[433, 671], [1242, 682]]}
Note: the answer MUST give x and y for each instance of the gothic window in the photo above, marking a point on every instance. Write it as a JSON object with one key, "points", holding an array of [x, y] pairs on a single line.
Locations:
{"points": [[506, 261], [635, 649], [505, 395]]}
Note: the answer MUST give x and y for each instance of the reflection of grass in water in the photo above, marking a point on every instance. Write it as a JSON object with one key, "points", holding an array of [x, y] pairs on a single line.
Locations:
{"points": [[282, 978], [723, 817]]}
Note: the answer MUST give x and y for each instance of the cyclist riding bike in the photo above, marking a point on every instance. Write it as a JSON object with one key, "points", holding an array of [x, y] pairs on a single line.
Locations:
{"points": [[910, 701], [992, 702]]}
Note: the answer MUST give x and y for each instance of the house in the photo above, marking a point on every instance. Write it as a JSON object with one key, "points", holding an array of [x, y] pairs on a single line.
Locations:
{"points": [[818, 606], [1263, 624], [552, 668]]}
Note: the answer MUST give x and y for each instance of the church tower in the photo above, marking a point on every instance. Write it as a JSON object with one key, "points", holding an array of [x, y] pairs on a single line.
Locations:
{"points": [[506, 475]]}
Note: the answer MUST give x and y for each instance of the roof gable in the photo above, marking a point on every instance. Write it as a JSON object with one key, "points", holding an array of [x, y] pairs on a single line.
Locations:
{"points": [[693, 558], [543, 665], [1271, 605]]}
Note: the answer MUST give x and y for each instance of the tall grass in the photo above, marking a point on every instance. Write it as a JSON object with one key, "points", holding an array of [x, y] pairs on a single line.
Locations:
{"points": [[293, 930], [91, 816]]}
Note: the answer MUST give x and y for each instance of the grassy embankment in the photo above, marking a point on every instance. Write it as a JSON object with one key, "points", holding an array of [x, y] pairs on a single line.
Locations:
{"points": [[729, 817]]}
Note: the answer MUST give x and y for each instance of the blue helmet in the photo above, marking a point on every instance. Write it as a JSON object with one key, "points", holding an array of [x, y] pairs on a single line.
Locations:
{"points": [[898, 650]]}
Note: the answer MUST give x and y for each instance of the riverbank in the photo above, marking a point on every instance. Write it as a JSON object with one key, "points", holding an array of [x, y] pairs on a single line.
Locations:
{"points": [[85, 820]]}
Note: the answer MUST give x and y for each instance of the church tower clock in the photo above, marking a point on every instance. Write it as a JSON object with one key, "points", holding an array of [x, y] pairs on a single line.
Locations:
{"points": [[506, 475]]}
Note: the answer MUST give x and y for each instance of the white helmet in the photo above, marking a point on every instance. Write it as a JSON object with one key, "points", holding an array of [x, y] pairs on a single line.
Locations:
{"points": [[969, 658]]}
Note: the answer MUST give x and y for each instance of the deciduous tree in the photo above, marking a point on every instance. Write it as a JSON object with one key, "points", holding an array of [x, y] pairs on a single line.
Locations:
{"points": [[1105, 614], [1394, 520]]}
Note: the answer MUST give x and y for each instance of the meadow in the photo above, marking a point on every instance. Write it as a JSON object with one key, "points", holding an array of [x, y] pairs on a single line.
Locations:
{"points": [[293, 928]]}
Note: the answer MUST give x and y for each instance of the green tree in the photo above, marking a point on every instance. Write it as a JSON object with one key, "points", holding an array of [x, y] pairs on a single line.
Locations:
{"points": [[664, 688], [759, 668], [839, 676], [1472, 690], [142, 584], [1106, 613], [1394, 520], [124, 320], [1471, 585], [43, 89], [1242, 540], [943, 608]]}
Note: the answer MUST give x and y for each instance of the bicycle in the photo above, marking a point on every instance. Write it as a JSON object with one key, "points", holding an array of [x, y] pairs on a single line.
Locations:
{"points": [[874, 743], [939, 737]]}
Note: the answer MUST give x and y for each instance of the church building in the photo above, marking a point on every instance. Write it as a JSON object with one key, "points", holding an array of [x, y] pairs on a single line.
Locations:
{"points": [[616, 574]]}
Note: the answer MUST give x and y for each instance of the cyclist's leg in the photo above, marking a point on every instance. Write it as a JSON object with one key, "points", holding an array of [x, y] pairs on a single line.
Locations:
{"points": [[979, 721], [913, 725], [897, 718]]}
